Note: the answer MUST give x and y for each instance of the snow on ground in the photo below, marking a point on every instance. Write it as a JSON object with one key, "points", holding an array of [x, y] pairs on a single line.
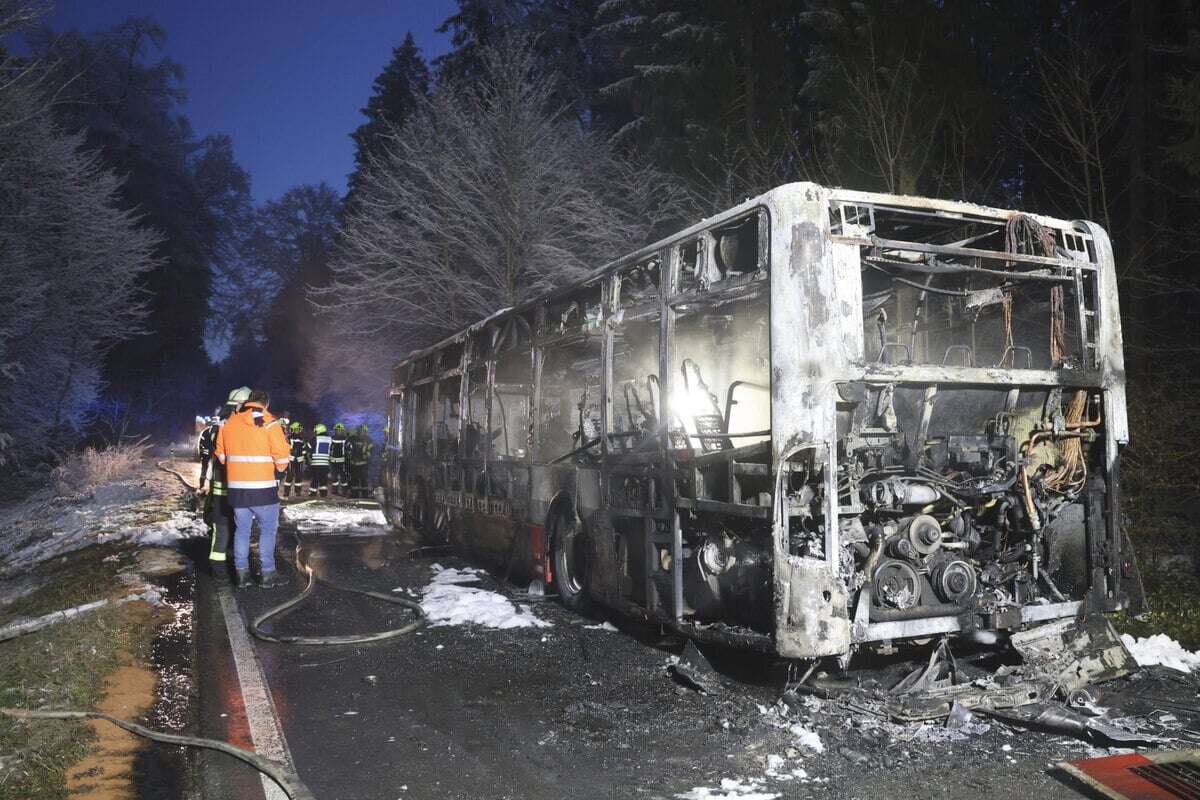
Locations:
{"points": [[448, 601], [730, 790], [1161, 649], [318, 517], [169, 532]]}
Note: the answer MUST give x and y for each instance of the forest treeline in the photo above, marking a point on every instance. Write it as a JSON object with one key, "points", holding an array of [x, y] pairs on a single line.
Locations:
{"points": [[552, 136]]}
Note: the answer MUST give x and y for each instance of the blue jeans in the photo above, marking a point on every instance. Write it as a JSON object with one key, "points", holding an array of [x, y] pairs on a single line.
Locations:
{"points": [[268, 521]]}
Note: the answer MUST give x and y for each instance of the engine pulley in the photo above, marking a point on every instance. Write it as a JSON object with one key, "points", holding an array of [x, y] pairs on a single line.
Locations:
{"points": [[954, 581], [896, 585], [925, 534]]}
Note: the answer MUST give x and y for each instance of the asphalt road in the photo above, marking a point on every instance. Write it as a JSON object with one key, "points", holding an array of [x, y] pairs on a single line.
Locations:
{"points": [[567, 711]]}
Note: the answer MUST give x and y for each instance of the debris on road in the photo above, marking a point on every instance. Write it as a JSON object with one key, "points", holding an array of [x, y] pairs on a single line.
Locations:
{"points": [[693, 671], [1134, 775], [1058, 719]]}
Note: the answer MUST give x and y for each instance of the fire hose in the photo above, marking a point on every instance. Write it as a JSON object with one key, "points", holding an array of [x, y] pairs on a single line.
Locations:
{"points": [[286, 607], [162, 465], [287, 780]]}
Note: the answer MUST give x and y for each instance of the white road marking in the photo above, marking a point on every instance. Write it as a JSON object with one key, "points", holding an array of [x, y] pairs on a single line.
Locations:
{"points": [[265, 730]]}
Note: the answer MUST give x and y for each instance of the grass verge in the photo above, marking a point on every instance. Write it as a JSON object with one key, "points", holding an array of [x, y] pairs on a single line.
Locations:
{"points": [[63, 666], [1174, 602], [92, 467]]}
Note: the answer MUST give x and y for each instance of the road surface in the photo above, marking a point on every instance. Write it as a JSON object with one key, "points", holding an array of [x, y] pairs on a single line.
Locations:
{"points": [[568, 709]]}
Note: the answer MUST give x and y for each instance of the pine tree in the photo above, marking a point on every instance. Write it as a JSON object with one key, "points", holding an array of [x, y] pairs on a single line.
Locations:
{"points": [[397, 90], [477, 25]]}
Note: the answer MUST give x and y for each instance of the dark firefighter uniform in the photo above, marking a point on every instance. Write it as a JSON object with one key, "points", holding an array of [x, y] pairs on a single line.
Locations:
{"points": [[358, 456], [318, 460], [337, 460], [218, 514], [293, 479]]}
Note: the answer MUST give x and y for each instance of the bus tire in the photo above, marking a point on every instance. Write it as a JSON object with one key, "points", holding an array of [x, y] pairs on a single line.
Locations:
{"points": [[393, 513], [571, 560]]}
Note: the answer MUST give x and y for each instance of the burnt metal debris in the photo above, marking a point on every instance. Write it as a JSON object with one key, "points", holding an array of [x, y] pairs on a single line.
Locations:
{"points": [[818, 423]]}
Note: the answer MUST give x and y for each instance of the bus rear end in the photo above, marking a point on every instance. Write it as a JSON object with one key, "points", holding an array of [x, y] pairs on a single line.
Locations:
{"points": [[948, 412]]}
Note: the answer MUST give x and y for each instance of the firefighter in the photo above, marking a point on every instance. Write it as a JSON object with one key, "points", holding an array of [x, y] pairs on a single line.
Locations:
{"points": [[218, 515], [318, 460], [255, 451], [337, 460], [293, 481], [358, 455]]}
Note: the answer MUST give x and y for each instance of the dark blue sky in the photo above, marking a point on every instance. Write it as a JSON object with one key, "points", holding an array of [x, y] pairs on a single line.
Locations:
{"points": [[284, 78]]}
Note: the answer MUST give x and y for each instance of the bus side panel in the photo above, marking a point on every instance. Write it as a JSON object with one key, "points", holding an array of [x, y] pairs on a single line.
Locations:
{"points": [[807, 320]]}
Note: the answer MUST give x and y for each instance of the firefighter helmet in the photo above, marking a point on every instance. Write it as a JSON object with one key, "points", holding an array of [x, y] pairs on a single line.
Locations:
{"points": [[238, 396], [319, 429], [297, 427]]}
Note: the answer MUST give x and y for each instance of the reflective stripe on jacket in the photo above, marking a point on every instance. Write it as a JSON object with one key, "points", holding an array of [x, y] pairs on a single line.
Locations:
{"points": [[319, 450], [214, 470], [299, 447], [359, 451], [252, 446], [337, 451]]}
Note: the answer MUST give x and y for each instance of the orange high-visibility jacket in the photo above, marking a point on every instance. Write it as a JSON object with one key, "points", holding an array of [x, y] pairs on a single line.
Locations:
{"points": [[252, 446]]}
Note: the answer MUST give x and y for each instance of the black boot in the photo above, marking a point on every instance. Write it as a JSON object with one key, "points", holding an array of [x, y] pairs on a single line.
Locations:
{"points": [[270, 579], [243, 579]]}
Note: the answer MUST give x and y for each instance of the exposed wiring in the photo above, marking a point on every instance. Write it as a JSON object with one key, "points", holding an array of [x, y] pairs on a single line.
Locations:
{"points": [[1010, 349], [1071, 474], [284, 777], [1058, 327]]}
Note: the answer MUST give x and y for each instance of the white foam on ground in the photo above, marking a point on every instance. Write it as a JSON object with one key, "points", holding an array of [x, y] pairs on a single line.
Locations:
{"points": [[778, 769], [1161, 649], [730, 790], [447, 601], [330, 518], [807, 738], [445, 575], [603, 626]]}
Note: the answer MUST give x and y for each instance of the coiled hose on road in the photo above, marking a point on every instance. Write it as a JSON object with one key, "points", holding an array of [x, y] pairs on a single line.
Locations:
{"points": [[360, 638], [285, 607]]}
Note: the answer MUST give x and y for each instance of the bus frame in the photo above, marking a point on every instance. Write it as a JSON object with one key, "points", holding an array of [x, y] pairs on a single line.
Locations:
{"points": [[622, 525]]}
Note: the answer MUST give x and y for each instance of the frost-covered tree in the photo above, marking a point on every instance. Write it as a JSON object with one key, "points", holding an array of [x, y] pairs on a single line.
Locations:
{"points": [[70, 264], [119, 90], [488, 195]]}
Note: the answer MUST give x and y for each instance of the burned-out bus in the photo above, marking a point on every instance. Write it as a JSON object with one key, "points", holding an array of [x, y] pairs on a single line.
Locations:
{"points": [[819, 420]]}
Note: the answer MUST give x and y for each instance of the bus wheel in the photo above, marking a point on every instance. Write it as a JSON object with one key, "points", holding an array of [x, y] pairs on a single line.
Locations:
{"points": [[572, 561], [438, 531], [393, 513]]}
